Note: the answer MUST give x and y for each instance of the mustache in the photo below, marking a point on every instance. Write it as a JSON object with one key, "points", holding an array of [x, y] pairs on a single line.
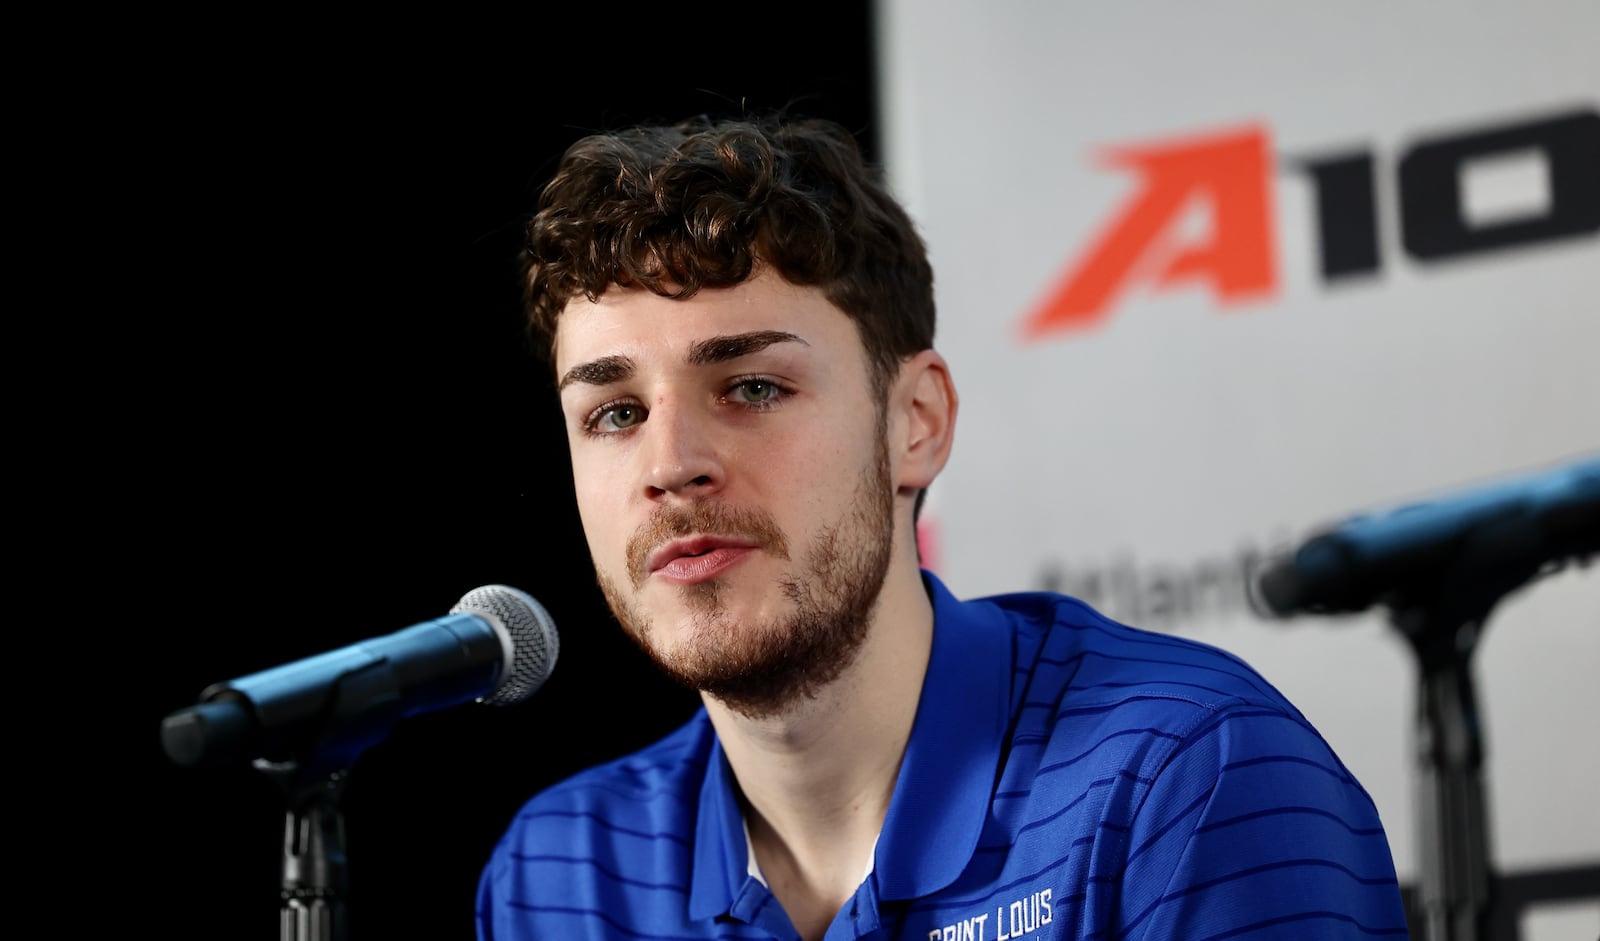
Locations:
{"points": [[747, 524]]}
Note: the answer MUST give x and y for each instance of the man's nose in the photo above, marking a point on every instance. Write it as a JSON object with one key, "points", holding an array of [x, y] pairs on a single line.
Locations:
{"points": [[680, 454]]}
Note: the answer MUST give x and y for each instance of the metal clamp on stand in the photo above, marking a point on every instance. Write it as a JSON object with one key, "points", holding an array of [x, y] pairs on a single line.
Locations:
{"points": [[316, 871]]}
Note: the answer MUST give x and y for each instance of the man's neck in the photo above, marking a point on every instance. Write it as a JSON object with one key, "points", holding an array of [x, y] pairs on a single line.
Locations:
{"points": [[817, 779]]}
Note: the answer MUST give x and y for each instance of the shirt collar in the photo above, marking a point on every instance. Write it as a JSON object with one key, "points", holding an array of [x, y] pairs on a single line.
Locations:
{"points": [[947, 777], [721, 851]]}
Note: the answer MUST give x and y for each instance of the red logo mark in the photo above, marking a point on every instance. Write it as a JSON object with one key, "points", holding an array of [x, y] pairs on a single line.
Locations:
{"points": [[1227, 173]]}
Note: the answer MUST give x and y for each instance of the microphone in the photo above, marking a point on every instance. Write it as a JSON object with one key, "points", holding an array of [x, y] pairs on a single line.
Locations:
{"points": [[1487, 539], [497, 646]]}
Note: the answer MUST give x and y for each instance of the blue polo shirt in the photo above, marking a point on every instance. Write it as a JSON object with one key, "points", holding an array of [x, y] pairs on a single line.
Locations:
{"points": [[1066, 777]]}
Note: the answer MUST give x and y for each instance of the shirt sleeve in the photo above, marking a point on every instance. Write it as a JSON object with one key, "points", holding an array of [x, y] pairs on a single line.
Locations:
{"points": [[1252, 827], [488, 902]]}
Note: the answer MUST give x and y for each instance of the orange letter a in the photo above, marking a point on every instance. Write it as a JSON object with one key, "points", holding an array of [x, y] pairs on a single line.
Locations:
{"points": [[1229, 171]]}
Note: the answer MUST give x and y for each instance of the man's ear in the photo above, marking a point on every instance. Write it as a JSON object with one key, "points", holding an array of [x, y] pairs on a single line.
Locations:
{"points": [[925, 401]]}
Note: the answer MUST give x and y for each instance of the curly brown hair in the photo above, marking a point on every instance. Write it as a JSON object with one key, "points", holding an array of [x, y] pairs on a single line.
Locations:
{"points": [[674, 208]]}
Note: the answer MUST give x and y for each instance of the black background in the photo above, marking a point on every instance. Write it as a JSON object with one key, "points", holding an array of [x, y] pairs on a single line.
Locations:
{"points": [[291, 287]]}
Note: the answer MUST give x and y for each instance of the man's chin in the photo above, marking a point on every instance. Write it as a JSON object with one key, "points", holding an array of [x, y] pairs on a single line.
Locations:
{"points": [[710, 606]]}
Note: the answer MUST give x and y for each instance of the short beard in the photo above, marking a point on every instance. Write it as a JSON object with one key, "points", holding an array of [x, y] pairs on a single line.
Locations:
{"points": [[762, 670]]}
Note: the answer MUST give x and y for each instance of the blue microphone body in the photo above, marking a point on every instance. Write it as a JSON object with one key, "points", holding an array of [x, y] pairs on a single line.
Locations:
{"points": [[497, 646], [1508, 529]]}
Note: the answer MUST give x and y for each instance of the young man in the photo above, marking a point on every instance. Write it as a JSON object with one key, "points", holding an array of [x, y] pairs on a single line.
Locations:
{"points": [[741, 322]]}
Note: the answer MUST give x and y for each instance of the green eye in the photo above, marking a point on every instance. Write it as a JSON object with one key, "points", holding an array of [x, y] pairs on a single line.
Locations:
{"points": [[623, 416], [614, 417], [758, 390]]}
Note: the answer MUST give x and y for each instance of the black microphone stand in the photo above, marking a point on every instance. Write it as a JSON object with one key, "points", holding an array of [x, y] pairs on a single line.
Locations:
{"points": [[1452, 818], [1443, 619]]}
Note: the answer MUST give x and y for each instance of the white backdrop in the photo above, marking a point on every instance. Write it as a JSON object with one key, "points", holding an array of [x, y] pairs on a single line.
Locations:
{"points": [[1140, 460]]}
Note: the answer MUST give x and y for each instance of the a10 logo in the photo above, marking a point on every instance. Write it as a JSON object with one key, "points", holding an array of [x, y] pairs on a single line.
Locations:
{"points": [[1230, 174]]}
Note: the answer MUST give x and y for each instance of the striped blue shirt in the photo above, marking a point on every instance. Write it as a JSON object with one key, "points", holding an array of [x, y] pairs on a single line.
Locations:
{"points": [[1066, 777]]}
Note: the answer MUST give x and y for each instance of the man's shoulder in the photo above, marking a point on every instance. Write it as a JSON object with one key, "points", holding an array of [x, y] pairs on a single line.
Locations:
{"points": [[1065, 644], [612, 839], [1097, 702]]}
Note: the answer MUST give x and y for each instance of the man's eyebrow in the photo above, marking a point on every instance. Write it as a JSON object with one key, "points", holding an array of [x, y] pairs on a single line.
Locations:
{"points": [[609, 369], [721, 349], [599, 372]]}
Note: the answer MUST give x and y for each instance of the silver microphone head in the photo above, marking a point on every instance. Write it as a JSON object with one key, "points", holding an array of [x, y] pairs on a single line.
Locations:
{"points": [[528, 632]]}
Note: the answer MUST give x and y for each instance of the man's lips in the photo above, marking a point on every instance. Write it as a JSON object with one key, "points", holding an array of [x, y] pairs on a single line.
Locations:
{"points": [[698, 558]]}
